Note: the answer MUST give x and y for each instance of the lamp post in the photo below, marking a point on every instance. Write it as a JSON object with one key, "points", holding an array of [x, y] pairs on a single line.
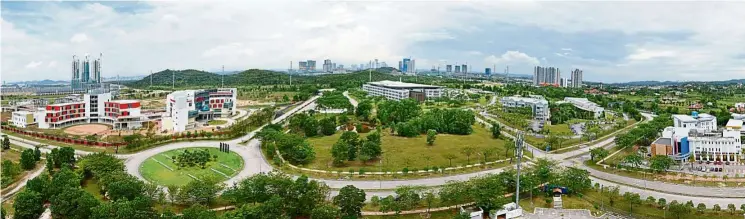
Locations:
{"points": [[519, 152]]}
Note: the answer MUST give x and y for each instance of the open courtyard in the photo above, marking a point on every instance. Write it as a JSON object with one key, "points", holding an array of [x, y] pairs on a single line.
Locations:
{"points": [[161, 168]]}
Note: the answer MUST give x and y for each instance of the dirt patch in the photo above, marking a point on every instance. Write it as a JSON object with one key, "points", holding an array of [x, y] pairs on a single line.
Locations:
{"points": [[88, 129]]}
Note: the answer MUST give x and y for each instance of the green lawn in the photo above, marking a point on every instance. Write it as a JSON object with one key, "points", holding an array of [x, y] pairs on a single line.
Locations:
{"points": [[91, 186], [435, 215], [217, 122], [398, 151], [12, 155], [652, 211], [560, 128], [157, 173]]}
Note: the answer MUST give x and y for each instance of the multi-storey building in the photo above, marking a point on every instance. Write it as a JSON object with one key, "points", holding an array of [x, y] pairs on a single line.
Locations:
{"points": [[576, 78], [546, 76], [586, 105], [311, 65], [700, 121], [395, 90], [448, 68], [24, 119], [681, 143], [457, 69], [327, 66], [96, 107], [536, 103], [184, 108], [464, 68]]}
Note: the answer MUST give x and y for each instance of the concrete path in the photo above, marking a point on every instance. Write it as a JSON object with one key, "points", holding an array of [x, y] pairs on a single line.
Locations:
{"points": [[351, 100]]}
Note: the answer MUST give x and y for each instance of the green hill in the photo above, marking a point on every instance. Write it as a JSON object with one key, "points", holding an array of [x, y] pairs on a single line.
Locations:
{"points": [[255, 77]]}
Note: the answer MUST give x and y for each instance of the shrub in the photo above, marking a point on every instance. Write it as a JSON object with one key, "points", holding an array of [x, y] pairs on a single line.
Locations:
{"points": [[405, 170], [362, 171]]}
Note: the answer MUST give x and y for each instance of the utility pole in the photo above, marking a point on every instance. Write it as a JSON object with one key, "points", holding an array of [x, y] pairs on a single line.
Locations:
{"points": [[222, 77], [151, 78], [519, 152]]}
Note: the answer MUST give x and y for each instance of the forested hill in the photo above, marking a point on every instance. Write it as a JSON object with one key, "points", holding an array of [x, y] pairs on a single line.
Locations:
{"points": [[195, 78]]}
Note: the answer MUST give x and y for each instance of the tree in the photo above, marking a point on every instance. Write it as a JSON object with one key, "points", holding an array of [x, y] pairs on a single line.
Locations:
{"points": [[6, 142], [598, 153], [633, 159], [40, 184], [450, 158], [63, 179], [139, 208], [612, 193], [496, 130], [353, 142], [468, 151], [660, 163], [632, 199], [325, 212], [487, 152], [369, 150], [509, 145], [731, 208], [28, 160], [431, 135], [364, 109], [661, 202], [305, 196], [200, 191], [350, 200], [701, 208], [198, 212], [340, 152], [429, 199], [576, 180], [73, 203], [127, 187], [9, 171], [717, 207], [483, 192], [37, 153], [328, 126], [28, 205], [679, 209], [742, 207]]}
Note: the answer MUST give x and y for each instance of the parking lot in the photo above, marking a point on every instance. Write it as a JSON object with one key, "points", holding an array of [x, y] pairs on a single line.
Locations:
{"points": [[716, 168]]}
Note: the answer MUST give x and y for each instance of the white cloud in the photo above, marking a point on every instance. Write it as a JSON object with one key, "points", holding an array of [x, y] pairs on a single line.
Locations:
{"points": [[52, 64], [644, 54], [512, 58], [34, 64], [79, 38], [474, 53]]}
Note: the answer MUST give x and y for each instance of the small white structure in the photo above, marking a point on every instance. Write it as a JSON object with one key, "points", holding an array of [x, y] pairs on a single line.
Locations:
{"points": [[474, 212], [185, 107], [702, 121], [508, 211], [586, 105], [24, 119], [537, 103]]}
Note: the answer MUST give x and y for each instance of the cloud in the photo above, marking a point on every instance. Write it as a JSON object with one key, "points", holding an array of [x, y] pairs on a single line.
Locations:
{"points": [[512, 58], [34, 64], [52, 64], [79, 38], [644, 54]]}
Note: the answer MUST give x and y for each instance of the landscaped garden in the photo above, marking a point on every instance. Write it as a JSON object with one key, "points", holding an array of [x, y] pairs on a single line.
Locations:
{"points": [[180, 166]]}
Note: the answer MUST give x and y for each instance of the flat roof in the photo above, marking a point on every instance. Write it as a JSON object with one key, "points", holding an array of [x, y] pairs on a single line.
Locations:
{"points": [[663, 141], [124, 101], [68, 103], [734, 123], [397, 84]]}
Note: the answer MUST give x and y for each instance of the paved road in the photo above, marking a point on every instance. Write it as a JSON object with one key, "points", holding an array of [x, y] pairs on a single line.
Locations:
{"points": [[351, 100]]}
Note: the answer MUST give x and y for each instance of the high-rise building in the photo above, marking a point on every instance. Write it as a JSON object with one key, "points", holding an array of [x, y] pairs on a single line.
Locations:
{"points": [[448, 68], [464, 68], [457, 69], [327, 67], [401, 66], [311, 65], [83, 74], [86, 76], [412, 66], [96, 77], [405, 65], [546, 76], [487, 71], [75, 80], [303, 66], [576, 78]]}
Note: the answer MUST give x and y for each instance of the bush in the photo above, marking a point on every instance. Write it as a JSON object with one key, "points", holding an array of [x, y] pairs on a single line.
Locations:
{"points": [[405, 170], [375, 201], [362, 171], [435, 168]]}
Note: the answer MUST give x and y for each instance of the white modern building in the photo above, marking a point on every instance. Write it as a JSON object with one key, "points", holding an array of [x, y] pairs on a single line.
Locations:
{"points": [[721, 145], [184, 108], [23, 119], [394, 90], [702, 121], [537, 103], [586, 105]]}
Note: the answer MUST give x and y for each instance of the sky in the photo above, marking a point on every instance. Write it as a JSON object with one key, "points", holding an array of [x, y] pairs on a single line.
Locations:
{"points": [[609, 41]]}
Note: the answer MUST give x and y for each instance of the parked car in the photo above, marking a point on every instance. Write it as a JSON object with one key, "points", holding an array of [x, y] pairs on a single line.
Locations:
{"points": [[727, 163]]}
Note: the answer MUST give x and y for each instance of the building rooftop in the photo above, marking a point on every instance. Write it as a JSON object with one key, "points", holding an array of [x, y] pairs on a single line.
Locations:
{"points": [[397, 84], [734, 123], [663, 141], [22, 112], [124, 101], [699, 117], [531, 99]]}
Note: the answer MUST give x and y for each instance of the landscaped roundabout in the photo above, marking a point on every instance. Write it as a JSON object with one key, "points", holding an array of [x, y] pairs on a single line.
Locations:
{"points": [[181, 166]]}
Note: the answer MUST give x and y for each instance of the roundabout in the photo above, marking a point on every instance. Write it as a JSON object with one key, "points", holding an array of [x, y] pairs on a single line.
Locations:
{"points": [[180, 166]]}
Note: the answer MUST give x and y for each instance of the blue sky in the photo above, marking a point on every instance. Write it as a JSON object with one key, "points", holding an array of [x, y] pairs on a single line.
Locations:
{"points": [[609, 41]]}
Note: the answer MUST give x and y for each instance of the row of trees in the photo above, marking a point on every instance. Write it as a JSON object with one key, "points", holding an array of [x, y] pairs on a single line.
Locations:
{"points": [[645, 133], [308, 125], [11, 170], [334, 100], [564, 112], [350, 147], [189, 158], [676, 209]]}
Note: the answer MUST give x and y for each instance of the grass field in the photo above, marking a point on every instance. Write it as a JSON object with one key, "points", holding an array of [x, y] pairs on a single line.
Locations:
{"points": [[400, 151], [560, 128], [157, 173], [217, 122], [11, 155]]}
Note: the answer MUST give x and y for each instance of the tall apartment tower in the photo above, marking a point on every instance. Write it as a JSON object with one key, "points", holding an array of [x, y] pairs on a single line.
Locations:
{"points": [[311, 64], [448, 68], [576, 78], [464, 68], [75, 79], [412, 66], [96, 76], [86, 76], [546, 76], [327, 65]]}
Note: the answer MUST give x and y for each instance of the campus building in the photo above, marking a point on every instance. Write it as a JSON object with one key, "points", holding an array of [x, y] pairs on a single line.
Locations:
{"points": [[700, 121], [586, 105], [537, 103], [185, 107], [394, 90], [95, 107]]}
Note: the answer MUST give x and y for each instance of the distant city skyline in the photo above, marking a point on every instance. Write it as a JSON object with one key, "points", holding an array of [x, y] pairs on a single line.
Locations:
{"points": [[625, 41]]}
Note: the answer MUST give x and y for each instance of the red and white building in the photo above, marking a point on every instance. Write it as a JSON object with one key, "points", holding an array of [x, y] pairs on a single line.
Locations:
{"points": [[97, 107], [185, 107]]}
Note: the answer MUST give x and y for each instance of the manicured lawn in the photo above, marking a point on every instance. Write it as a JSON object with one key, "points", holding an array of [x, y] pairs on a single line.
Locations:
{"points": [[652, 211], [217, 122], [157, 173], [398, 151], [560, 128], [91, 186], [12, 155]]}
